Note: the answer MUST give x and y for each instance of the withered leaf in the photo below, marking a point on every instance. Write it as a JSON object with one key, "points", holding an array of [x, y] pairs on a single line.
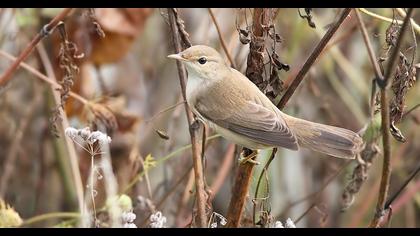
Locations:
{"points": [[162, 134]]}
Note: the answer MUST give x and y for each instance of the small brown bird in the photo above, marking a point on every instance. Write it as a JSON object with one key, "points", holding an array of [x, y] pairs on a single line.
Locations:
{"points": [[234, 107]]}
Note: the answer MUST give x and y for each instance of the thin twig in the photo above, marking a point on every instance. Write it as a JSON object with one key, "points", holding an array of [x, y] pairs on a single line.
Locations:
{"points": [[399, 191], [409, 111], [43, 77], [222, 40], [74, 163], [320, 190], [263, 172], [10, 159], [51, 215], [198, 165], [386, 138], [166, 197], [368, 44], [317, 194], [312, 58], [46, 30], [374, 15], [223, 170]]}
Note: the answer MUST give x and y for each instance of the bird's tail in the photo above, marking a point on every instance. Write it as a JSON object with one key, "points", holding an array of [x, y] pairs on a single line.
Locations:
{"points": [[334, 141]]}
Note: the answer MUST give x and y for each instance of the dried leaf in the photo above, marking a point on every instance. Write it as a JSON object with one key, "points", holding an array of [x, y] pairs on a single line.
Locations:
{"points": [[162, 134]]}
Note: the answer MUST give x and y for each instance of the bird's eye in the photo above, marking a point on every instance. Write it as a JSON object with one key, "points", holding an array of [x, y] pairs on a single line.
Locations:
{"points": [[202, 60]]}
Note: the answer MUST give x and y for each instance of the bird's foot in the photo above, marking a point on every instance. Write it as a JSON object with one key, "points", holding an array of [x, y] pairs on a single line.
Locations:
{"points": [[195, 124], [249, 158]]}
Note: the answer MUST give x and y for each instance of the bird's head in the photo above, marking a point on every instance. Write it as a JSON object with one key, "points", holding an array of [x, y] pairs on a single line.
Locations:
{"points": [[200, 60]]}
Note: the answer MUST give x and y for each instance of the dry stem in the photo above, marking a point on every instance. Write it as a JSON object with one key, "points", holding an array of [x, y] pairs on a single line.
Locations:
{"points": [[74, 162], [196, 152], [222, 40], [255, 68], [386, 138], [312, 58], [25, 53]]}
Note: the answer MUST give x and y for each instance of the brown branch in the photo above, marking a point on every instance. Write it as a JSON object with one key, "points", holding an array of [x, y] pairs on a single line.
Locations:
{"points": [[386, 138], [25, 53], [43, 77], [254, 71], [196, 154], [312, 58], [222, 40]]}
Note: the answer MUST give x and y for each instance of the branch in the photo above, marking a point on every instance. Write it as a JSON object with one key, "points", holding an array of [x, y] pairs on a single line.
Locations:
{"points": [[222, 40], [254, 71], [43, 77], [196, 154], [374, 15], [45, 31], [386, 139], [312, 58]]}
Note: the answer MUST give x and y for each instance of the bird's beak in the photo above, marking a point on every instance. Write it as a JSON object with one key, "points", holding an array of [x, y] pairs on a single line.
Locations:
{"points": [[177, 57]]}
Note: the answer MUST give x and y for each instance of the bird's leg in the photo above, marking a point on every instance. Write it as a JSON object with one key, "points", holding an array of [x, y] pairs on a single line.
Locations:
{"points": [[195, 124], [247, 156]]}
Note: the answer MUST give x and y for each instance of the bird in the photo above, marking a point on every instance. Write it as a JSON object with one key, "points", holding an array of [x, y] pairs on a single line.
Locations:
{"points": [[229, 103]]}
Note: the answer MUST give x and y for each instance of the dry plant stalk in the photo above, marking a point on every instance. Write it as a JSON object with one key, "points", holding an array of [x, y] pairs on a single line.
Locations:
{"points": [[254, 71], [177, 35], [46, 30], [312, 58], [386, 138]]}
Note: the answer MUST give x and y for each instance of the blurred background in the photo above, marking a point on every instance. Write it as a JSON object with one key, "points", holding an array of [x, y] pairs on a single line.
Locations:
{"points": [[125, 83]]}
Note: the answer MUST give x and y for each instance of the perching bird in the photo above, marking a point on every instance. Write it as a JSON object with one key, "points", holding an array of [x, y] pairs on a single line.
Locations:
{"points": [[233, 106]]}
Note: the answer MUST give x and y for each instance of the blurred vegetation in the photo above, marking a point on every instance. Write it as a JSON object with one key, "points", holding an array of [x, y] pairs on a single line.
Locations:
{"points": [[128, 89]]}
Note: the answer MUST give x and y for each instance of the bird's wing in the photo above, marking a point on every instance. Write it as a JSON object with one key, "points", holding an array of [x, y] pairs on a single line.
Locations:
{"points": [[246, 116]]}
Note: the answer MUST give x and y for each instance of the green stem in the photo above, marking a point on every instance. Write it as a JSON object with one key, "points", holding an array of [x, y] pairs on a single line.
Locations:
{"points": [[47, 216], [163, 159]]}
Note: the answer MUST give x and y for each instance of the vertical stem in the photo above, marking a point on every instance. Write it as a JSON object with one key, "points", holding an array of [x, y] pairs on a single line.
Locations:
{"points": [[254, 71], [386, 138], [196, 152]]}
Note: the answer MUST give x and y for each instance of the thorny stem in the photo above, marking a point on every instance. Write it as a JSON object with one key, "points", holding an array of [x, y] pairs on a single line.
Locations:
{"points": [[25, 53], [197, 163], [386, 139], [222, 40], [312, 58]]}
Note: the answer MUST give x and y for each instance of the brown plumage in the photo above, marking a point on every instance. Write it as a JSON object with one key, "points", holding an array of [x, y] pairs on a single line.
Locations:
{"points": [[232, 105]]}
